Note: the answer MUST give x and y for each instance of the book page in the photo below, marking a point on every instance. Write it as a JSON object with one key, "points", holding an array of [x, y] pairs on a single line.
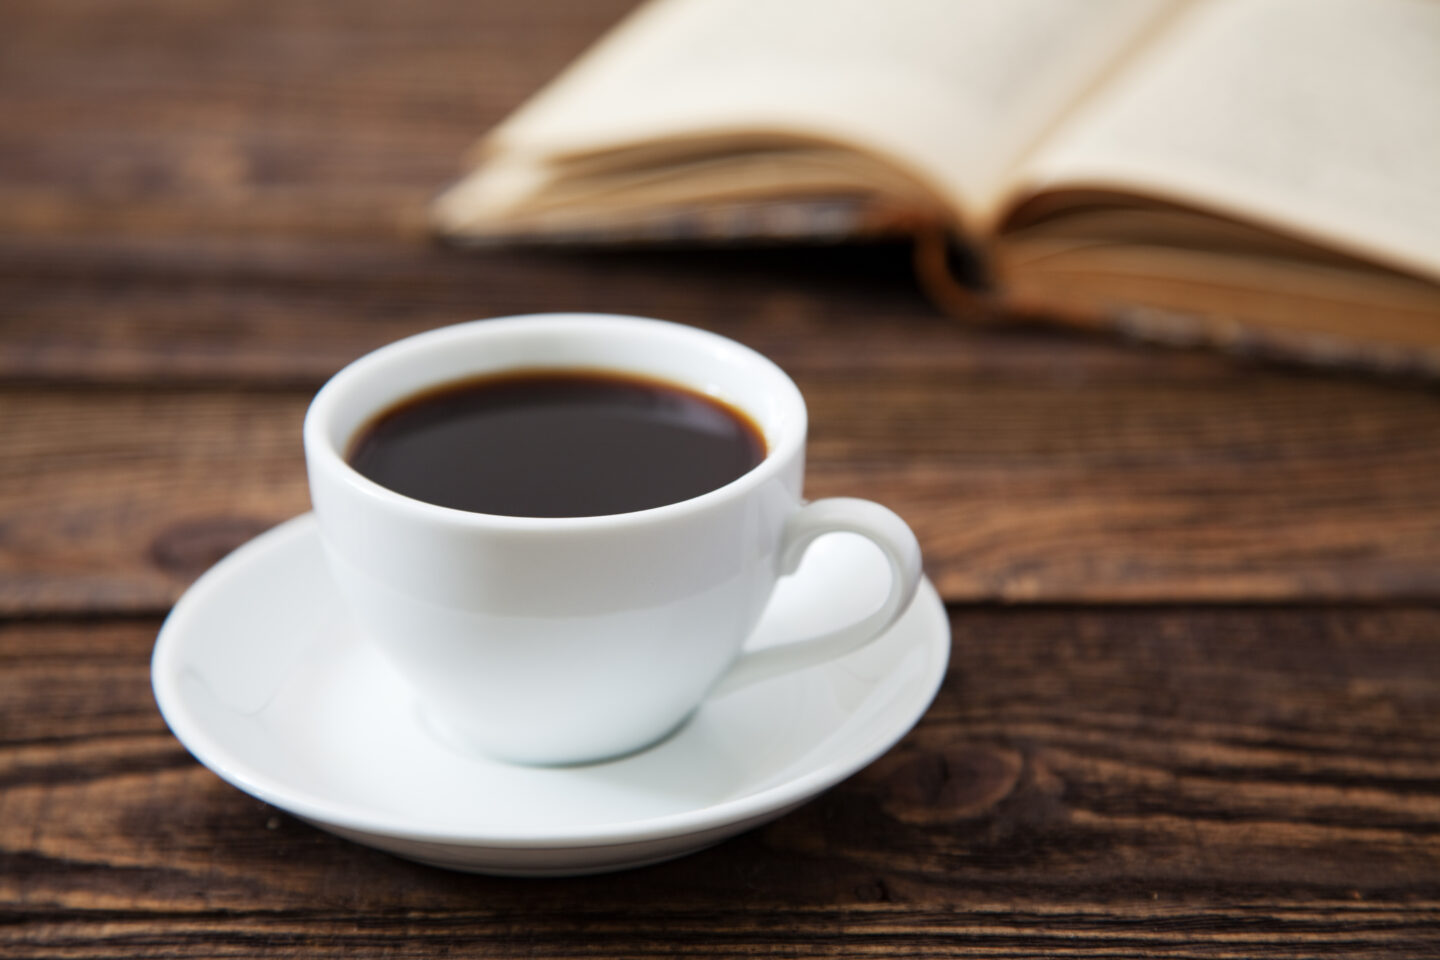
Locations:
{"points": [[949, 92], [1319, 118]]}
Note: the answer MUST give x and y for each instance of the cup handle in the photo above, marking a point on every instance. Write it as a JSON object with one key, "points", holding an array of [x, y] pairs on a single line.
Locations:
{"points": [[837, 514]]}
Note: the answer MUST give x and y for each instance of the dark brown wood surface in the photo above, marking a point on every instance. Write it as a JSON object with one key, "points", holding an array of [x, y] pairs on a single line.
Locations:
{"points": [[1193, 708]]}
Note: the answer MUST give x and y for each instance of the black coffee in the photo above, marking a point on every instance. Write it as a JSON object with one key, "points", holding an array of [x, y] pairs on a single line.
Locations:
{"points": [[563, 443]]}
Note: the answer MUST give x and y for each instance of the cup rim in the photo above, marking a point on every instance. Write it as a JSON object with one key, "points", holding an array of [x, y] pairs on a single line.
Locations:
{"points": [[322, 454]]}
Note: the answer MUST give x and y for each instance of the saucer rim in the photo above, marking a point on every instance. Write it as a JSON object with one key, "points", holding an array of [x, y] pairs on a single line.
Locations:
{"points": [[167, 669]]}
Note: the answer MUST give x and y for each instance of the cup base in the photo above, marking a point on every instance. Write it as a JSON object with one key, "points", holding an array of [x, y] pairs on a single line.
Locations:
{"points": [[456, 740]]}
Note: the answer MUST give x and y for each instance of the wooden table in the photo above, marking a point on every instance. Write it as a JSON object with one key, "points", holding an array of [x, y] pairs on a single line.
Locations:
{"points": [[1193, 707]]}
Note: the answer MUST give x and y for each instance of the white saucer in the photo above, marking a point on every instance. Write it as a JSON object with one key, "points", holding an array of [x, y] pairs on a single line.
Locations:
{"points": [[261, 677]]}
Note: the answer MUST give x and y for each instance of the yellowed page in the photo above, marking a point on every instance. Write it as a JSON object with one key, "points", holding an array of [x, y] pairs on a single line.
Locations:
{"points": [[951, 92], [1320, 118]]}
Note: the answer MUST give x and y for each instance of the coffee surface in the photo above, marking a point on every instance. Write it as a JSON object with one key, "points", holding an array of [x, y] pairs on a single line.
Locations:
{"points": [[557, 444]]}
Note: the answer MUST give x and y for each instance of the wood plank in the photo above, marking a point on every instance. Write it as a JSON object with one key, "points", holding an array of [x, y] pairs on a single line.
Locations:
{"points": [[1148, 782], [1021, 490], [292, 311], [161, 99], [162, 119], [114, 501]]}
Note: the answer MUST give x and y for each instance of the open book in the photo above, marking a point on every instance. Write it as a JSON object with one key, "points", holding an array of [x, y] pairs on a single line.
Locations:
{"points": [[1263, 174]]}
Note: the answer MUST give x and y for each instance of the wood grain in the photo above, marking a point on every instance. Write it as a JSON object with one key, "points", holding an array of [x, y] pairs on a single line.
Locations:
{"points": [[1022, 489], [179, 105], [1180, 782], [292, 312]]}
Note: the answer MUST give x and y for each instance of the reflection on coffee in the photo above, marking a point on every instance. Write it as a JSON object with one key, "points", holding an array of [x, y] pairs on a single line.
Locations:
{"points": [[557, 443]]}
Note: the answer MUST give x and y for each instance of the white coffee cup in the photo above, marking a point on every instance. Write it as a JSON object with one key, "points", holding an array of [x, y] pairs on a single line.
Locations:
{"points": [[552, 641]]}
